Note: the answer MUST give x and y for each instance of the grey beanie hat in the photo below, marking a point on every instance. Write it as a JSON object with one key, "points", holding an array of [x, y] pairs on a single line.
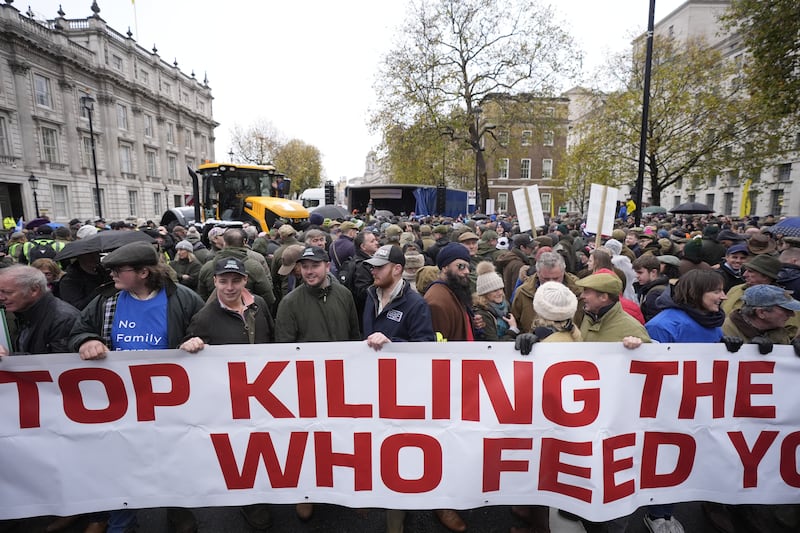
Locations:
{"points": [[184, 245]]}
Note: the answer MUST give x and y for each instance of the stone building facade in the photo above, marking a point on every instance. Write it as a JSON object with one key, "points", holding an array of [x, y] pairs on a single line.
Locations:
{"points": [[150, 120]]}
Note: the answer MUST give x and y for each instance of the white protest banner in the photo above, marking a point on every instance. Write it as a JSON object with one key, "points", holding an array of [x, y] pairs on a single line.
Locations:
{"points": [[602, 209], [591, 428], [529, 207]]}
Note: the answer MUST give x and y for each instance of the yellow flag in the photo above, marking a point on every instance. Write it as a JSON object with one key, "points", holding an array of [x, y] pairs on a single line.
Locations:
{"points": [[746, 206]]}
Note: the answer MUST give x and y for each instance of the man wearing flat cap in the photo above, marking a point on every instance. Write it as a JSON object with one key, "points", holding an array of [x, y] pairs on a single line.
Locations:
{"points": [[604, 319], [441, 234], [762, 318], [343, 248], [758, 270], [143, 310]]}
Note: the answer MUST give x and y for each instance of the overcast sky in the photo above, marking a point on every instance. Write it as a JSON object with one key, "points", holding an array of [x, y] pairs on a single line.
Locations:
{"points": [[308, 66]]}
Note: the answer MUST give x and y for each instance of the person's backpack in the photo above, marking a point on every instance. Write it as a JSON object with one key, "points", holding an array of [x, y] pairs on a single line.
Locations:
{"points": [[41, 249], [347, 273]]}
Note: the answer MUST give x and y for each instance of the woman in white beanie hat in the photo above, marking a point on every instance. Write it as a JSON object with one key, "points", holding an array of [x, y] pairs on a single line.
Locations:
{"points": [[490, 302], [555, 305]]}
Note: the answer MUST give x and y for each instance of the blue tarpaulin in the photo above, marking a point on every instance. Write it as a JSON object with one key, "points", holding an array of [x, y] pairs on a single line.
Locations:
{"points": [[455, 202]]}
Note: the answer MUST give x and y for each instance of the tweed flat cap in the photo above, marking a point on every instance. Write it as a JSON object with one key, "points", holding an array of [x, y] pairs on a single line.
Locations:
{"points": [[132, 254]]}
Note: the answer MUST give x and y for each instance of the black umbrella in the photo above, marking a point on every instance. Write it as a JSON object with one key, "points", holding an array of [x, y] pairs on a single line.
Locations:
{"points": [[692, 208], [36, 222], [479, 216], [331, 211], [103, 241]]}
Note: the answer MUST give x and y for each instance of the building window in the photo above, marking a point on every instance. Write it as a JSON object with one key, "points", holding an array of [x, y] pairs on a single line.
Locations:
{"points": [[188, 138], [679, 183], [122, 117], [502, 170], [727, 204], [204, 144], [547, 169], [133, 202], [525, 169], [712, 182], [83, 112], [549, 111], [116, 62], [166, 88], [691, 198], [549, 138], [502, 202], [94, 199], [125, 159], [676, 200], [156, 202], [5, 144], [753, 195], [784, 171], [776, 202], [177, 200], [148, 125], [184, 97], [201, 106], [144, 77], [86, 151], [41, 87], [547, 201], [172, 167], [190, 162], [50, 145], [150, 158], [710, 200], [503, 137], [170, 133], [733, 176], [525, 140], [61, 202]]}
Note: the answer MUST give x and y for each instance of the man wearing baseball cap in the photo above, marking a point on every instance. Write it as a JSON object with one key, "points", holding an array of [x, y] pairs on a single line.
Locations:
{"points": [[319, 310], [731, 265], [393, 312]]}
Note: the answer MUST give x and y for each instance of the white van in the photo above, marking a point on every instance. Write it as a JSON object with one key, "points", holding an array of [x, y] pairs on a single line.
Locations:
{"points": [[311, 198]]}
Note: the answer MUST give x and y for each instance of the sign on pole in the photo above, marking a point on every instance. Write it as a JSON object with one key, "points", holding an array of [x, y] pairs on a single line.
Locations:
{"points": [[602, 207], [529, 207]]}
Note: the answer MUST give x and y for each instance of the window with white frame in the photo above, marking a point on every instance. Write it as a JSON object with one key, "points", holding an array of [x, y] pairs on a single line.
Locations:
{"points": [[49, 145], [547, 200], [547, 169], [156, 202], [5, 143], [144, 77], [549, 111], [172, 167], [148, 125], [527, 135], [502, 202], [133, 203], [525, 169], [86, 151], [204, 144], [41, 88], [151, 158], [122, 117], [503, 137], [125, 159], [502, 168], [187, 137], [170, 133], [61, 201], [549, 138]]}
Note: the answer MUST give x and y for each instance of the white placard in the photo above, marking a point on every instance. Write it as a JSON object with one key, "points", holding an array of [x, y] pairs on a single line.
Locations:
{"points": [[490, 206], [528, 204], [602, 209]]}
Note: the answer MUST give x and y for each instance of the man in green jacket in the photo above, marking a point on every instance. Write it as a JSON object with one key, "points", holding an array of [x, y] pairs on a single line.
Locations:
{"points": [[604, 319]]}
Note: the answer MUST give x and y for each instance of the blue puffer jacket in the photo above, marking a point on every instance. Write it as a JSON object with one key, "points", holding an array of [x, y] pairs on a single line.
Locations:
{"points": [[406, 318], [674, 324]]}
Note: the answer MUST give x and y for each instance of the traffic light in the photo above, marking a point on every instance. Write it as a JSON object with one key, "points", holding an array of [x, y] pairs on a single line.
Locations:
{"points": [[330, 193]]}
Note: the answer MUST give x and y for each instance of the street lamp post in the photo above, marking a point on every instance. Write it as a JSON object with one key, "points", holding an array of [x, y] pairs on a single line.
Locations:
{"points": [[479, 135], [34, 182], [166, 196], [87, 102]]}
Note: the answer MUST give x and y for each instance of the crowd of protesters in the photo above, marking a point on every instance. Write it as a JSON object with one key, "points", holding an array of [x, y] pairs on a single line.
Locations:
{"points": [[407, 278]]}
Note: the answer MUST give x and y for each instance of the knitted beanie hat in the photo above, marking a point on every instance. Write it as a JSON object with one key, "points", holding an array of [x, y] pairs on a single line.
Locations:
{"points": [[554, 301], [488, 279]]}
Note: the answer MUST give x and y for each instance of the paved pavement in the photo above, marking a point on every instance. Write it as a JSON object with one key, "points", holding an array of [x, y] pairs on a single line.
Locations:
{"points": [[334, 519]]}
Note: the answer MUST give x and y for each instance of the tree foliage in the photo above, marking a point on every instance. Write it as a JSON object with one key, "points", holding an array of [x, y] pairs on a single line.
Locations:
{"points": [[770, 32], [302, 163], [700, 123], [261, 143], [451, 55]]}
